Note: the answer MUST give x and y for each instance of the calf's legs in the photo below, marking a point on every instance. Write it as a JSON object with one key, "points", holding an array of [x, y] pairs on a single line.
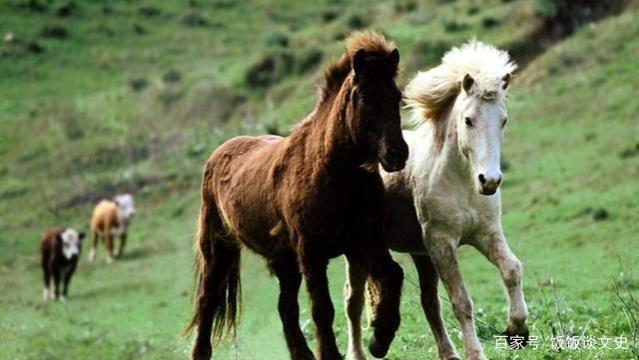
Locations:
{"points": [[123, 238], [95, 237], [47, 281], [65, 282]]}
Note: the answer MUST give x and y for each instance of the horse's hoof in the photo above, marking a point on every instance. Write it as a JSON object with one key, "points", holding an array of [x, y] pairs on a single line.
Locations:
{"points": [[356, 355], [201, 352], [451, 357], [307, 355], [517, 340], [377, 348]]}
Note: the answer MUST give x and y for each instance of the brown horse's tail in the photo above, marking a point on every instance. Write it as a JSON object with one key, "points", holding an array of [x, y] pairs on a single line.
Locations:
{"points": [[218, 288]]}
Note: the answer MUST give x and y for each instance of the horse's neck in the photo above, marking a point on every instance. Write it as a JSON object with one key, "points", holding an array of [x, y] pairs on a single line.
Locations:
{"points": [[328, 136]]}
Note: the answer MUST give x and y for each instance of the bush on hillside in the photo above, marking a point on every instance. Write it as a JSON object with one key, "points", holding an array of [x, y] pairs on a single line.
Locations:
{"points": [[54, 32], [192, 19], [270, 69]]}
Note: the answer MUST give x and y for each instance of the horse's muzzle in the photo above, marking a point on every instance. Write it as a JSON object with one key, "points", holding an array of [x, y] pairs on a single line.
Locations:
{"points": [[393, 158]]}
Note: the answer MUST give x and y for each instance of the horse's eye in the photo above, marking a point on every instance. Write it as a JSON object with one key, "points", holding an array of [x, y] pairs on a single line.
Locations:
{"points": [[504, 122], [469, 122]]}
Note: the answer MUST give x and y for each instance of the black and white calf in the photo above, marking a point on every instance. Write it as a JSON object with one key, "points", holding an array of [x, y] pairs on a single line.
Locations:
{"points": [[60, 250]]}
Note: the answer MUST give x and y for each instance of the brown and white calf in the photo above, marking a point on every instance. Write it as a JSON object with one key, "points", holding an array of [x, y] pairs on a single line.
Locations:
{"points": [[60, 249], [111, 219]]}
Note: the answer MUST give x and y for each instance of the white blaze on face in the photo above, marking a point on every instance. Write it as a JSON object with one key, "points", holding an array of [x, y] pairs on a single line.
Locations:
{"points": [[70, 243], [126, 206], [480, 136]]}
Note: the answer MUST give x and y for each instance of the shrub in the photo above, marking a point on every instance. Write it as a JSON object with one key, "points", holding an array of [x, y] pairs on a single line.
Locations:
{"points": [[138, 84], [329, 15], [33, 5], [277, 39], [490, 22], [149, 11], [356, 21], [193, 19], [139, 29], [72, 127], [67, 9], [309, 60], [172, 76], [431, 52], [600, 214], [169, 97], [54, 31], [35, 47], [405, 6], [454, 25], [546, 8], [270, 69]]}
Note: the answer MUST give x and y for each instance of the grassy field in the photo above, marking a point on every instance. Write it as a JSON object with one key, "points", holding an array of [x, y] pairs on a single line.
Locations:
{"points": [[100, 97]]}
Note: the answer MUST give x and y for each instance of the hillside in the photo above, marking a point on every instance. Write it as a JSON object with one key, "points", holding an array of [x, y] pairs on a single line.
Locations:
{"points": [[99, 97]]}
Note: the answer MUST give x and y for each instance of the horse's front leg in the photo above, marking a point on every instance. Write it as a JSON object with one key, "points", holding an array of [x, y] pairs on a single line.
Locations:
{"points": [[353, 306], [322, 310], [496, 249], [288, 274], [442, 249]]}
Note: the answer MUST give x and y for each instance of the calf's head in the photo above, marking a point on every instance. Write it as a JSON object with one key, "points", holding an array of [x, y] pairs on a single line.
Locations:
{"points": [[70, 242], [126, 206]]}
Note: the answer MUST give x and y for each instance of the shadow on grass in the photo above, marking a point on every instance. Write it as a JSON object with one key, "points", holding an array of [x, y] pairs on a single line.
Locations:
{"points": [[134, 254], [106, 291]]}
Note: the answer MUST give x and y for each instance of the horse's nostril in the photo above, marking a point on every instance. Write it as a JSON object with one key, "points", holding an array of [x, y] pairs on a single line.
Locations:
{"points": [[482, 179], [498, 181]]}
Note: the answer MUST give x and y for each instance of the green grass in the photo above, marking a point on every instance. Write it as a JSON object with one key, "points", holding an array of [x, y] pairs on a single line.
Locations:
{"points": [[73, 127]]}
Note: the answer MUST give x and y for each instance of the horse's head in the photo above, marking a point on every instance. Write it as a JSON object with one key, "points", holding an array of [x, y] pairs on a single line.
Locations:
{"points": [[480, 119], [374, 121]]}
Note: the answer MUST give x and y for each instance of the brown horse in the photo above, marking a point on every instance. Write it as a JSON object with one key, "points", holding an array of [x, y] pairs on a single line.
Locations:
{"points": [[302, 200]]}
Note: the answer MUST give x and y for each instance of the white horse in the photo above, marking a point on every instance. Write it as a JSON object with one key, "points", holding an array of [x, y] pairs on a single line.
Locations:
{"points": [[448, 193]]}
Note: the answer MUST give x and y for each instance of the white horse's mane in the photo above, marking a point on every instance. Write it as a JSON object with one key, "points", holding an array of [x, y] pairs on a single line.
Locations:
{"points": [[430, 92]]}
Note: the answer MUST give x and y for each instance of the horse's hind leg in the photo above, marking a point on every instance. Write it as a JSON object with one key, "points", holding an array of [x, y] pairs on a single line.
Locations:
{"points": [[385, 284], [290, 279], [218, 286], [353, 305], [442, 251], [428, 280], [496, 249]]}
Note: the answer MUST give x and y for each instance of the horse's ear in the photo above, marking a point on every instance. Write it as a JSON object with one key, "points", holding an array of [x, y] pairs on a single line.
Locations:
{"points": [[358, 61], [467, 82], [506, 80], [393, 57]]}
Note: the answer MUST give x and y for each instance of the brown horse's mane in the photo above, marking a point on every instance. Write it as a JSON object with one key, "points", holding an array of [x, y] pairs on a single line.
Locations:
{"points": [[375, 45]]}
